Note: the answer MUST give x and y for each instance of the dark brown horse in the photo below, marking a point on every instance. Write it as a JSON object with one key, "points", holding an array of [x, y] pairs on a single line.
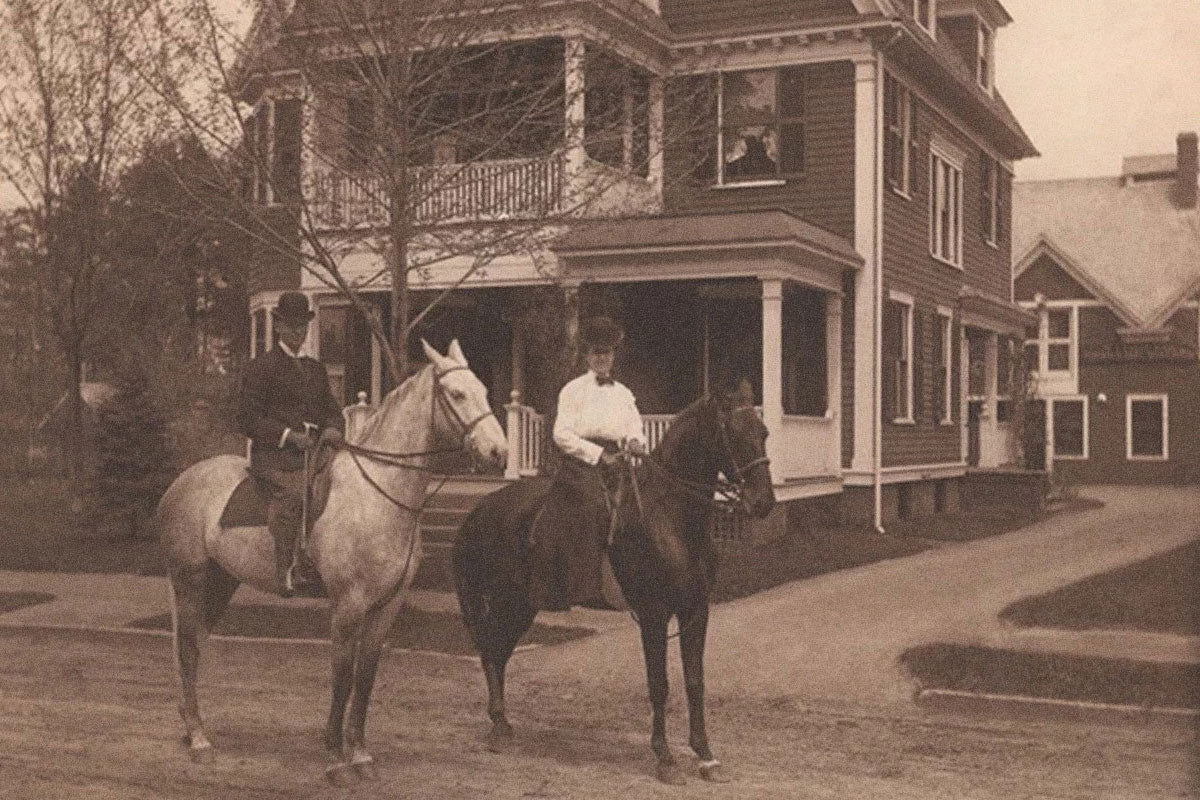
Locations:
{"points": [[662, 555]]}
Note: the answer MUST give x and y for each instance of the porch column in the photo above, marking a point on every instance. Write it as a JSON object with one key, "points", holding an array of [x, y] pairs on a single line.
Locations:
{"points": [[964, 376], [772, 356], [867, 286], [833, 377], [989, 434], [574, 83], [627, 112], [655, 110]]}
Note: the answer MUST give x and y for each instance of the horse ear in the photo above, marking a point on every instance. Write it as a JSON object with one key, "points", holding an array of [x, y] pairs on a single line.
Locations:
{"points": [[455, 352], [433, 355]]}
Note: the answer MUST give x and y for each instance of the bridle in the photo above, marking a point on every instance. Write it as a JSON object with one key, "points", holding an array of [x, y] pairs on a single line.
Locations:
{"points": [[730, 487], [398, 459], [439, 397], [738, 479]]}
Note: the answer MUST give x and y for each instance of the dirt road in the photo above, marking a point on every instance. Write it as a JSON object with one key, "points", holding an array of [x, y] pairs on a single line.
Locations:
{"points": [[93, 715]]}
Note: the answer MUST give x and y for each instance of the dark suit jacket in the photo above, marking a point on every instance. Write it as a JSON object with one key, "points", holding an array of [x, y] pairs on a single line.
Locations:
{"points": [[280, 392]]}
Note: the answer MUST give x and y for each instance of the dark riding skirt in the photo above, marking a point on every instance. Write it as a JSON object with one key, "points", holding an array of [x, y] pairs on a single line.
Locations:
{"points": [[569, 537]]}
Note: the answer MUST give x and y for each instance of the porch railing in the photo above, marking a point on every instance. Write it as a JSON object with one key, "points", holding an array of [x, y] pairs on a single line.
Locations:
{"points": [[516, 188], [527, 430]]}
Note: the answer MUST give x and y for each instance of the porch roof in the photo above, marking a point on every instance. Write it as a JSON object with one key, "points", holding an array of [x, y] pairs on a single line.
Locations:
{"points": [[987, 311], [765, 243]]}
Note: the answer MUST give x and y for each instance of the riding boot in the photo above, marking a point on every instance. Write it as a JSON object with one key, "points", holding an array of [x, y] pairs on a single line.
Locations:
{"points": [[283, 552]]}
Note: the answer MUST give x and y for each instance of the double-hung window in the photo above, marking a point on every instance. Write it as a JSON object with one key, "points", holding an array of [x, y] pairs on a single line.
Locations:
{"points": [[985, 49], [990, 209], [899, 132], [1146, 427], [898, 357], [761, 131], [942, 366], [945, 206]]}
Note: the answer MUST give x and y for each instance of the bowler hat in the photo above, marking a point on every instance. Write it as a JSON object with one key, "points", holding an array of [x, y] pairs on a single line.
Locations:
{"points": [[601, 333], [293, 307]]}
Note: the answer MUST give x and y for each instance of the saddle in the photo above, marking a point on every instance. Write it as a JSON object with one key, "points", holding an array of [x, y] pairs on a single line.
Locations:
{"points": [[247, 506]]}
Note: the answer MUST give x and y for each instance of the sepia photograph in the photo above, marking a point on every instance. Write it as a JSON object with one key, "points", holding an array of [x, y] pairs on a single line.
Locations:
{"points": [[614, 399]]}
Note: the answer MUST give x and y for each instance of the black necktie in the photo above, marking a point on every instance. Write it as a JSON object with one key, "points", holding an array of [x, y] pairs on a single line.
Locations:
{"points": [[604, 381]]}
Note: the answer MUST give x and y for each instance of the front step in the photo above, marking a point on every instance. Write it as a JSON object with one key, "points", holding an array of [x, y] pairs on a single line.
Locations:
{"points": [[440, 521]]}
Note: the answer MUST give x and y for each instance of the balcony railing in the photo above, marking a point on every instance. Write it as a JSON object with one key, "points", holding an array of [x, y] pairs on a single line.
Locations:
{"points": [[507, 189]]}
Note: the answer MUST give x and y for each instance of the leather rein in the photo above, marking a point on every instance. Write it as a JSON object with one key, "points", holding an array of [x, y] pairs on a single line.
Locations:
{"points": [[400, 460]]}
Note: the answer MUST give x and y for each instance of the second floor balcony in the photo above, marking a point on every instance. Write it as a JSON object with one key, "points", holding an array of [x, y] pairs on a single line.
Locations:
{"points": [[499, 190]]}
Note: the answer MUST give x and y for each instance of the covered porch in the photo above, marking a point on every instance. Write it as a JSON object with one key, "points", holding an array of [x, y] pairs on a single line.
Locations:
{"points": [[716, 297], [994, 388]]}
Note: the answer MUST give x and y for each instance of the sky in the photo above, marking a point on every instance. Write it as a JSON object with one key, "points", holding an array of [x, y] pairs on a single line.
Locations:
{"points": [[1094, 80]]}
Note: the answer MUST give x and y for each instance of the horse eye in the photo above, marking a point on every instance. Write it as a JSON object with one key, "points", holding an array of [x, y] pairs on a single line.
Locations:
{"points": [[457, 395]]}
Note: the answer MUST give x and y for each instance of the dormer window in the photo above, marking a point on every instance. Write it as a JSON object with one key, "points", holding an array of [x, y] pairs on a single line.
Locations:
{"points": [[985, 50], [925, 12]]}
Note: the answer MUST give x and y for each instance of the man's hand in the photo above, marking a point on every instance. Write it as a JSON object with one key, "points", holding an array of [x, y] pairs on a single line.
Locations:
{"points": [[331, 437], [300, 440], [608, 459]]}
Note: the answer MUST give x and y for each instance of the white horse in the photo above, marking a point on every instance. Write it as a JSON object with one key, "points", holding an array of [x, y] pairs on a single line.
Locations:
{"points": [[366, 544]]}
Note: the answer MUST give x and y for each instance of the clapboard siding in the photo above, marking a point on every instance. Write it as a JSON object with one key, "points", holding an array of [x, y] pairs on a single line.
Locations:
{"points": [[1046, 276], [710, 16], [824, 195]]}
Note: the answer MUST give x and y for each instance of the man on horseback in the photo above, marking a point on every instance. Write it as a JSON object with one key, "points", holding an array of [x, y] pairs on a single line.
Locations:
{"points": [[598, 422], [287, 410]]}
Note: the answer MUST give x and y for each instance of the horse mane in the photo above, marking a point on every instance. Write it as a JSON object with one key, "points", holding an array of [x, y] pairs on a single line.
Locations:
{"points": [[394, 398], [681, 428]]}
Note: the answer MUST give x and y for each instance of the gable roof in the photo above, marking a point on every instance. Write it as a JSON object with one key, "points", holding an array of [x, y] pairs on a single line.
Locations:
{"points": [[1132, 246]]}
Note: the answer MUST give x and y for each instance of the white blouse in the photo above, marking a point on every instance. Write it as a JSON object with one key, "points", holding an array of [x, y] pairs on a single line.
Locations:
{"points": [[587, 410]]}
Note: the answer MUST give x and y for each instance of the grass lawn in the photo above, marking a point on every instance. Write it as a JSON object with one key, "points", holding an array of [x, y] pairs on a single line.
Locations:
{"points": [[748, 568], [38, 534], [988, 670], [415, 629], [1158, 594], [11, 601]]}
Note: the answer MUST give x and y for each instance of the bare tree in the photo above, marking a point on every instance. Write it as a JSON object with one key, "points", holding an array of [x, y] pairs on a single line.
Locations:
{"points": [[429, 134], [72, 114]]}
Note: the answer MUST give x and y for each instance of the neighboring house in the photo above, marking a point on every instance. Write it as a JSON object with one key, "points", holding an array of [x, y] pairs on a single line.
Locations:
{"points": [[844, 238], [1112, 268]]}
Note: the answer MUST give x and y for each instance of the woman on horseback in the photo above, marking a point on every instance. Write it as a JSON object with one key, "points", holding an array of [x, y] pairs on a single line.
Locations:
{"points": [[597, 422]]}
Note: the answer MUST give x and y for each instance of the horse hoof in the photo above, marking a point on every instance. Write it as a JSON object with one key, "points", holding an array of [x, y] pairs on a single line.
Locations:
{"points": [[341, 775], [671, 774], [366, 771], [499, 740], [714, 773]]}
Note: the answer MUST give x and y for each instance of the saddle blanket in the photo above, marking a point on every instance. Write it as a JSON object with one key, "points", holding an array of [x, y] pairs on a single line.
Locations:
{"points": [[247, 506]]}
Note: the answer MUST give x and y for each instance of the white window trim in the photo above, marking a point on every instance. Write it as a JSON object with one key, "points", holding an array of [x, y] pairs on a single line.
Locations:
{"points": [[1045, 340], [946, 320], [907, 348], [1053, 434], [721, 182], [993, 189], [906, 135], [985, 39], [1166, 427], [939, 152]]}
